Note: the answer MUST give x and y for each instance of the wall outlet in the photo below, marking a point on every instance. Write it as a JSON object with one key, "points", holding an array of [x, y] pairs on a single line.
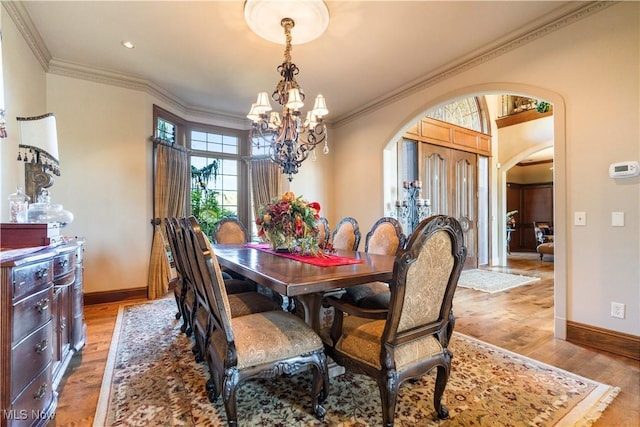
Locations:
{"points": [[617, 310]]}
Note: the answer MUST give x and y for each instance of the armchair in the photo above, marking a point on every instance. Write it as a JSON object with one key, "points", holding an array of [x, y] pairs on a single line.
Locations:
{"points": [[266, 344], [412, 336], [544, 238]]}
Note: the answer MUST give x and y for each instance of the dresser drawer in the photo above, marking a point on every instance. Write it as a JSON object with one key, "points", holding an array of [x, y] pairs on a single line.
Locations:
{"points": [[64, 263], [31, 313], [31, 354], [30, 278], [34, 401]]}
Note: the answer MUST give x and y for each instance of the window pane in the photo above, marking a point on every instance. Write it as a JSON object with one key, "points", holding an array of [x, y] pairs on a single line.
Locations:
{"points": [[166, 131]]}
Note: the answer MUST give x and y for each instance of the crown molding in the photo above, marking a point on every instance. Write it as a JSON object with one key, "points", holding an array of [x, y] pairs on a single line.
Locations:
{"points": [[542, 27], [19, 15], [562, 17]]}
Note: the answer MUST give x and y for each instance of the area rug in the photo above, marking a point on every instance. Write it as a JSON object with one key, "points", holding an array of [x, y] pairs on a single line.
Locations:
{"points": [[151, 379], [492, 281]]}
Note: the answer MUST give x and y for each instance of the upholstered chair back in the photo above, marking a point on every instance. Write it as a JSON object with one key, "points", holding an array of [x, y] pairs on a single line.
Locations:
{"points": [[230, 231], [385, 237], [183, 288], [213, 282], [426, 276], [346, 234], [324, 233]]}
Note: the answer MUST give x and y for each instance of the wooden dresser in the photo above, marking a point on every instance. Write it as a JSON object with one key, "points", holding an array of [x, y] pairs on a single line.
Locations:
{"points": [[41, 328]]}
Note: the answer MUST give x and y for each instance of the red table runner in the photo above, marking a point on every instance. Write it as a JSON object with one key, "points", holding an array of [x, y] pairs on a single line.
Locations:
{"points": [[327, 260]]}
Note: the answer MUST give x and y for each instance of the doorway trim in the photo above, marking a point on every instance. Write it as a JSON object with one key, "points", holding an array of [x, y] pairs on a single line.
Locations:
{"points": [[498, 179]]}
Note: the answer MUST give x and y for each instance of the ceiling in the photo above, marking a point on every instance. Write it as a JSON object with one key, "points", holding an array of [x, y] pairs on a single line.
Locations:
{"points": [[203, 57]]}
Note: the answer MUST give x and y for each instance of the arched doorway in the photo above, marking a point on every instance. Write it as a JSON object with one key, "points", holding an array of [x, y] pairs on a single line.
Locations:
{"points": [[497, 204]]}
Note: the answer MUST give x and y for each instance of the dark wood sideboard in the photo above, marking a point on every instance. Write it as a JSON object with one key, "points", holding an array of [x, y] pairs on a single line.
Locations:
{"points": [[41, 328]]}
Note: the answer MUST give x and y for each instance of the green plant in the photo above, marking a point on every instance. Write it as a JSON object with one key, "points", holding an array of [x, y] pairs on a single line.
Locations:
{"points": [[542, 106], [204, 202]]}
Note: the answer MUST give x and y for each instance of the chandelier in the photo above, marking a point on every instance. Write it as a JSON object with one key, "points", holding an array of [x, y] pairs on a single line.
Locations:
{"points": [[290, 138]]}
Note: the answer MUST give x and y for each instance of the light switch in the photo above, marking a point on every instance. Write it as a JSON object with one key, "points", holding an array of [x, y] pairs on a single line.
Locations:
{"points": [[617, 219], [580, 218]]}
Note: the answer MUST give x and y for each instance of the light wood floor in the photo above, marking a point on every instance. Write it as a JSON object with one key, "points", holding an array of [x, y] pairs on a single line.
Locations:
{"points": [[520, 320]]}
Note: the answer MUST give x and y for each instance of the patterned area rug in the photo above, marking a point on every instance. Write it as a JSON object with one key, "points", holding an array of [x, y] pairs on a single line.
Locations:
{"points": [[492, 281], [152, 379]]}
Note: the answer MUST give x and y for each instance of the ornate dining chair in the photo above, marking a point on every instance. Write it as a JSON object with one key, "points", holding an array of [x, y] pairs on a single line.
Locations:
{"points": [[324, 233], [346, 235], [410, 338], [184, 292], [240, 303], [384, 238], [230, 230], [264, 344]]}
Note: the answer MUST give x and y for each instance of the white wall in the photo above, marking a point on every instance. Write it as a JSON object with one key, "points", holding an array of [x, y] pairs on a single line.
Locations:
{"points": [[578, 70], [105, 158], [25, 96]]}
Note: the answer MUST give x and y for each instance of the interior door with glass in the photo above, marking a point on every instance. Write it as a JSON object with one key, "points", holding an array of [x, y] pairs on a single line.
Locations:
{"points": [[450, 184]]}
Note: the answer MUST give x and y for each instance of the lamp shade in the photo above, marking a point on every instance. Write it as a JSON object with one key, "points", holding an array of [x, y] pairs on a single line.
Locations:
{"points": [[294, 100], [40, 133], [320, 107], [263, 105], [254, 114]]}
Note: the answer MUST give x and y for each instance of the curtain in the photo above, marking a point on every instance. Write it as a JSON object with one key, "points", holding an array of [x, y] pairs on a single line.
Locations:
{"points": [[266, 182], [171, 181]]}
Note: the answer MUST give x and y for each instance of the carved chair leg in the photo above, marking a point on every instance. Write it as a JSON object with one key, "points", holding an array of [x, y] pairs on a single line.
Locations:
{"points": [[318, 394], [441, 383], [388, 395], [230, 383]]}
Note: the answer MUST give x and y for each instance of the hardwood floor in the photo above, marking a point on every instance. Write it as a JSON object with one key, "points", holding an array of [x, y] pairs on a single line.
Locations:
{"points": [[520, 320]]}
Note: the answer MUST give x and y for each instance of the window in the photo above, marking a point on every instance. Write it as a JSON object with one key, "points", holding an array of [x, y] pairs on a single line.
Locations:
{"points": [[465, 112], [218, 172], [213, 171], [166, 131]]}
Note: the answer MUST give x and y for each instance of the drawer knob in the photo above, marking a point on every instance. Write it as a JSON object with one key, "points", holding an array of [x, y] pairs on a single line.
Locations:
{"points": [[42, 305], [41, 346], [63, 263], [42, 273], [41, 392]]}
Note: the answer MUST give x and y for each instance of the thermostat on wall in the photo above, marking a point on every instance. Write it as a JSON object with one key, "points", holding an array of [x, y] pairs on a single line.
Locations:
{"points": [[624, 169]]}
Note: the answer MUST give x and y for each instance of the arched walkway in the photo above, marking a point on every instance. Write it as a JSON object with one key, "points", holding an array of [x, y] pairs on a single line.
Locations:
{"points": [[498, 180]]}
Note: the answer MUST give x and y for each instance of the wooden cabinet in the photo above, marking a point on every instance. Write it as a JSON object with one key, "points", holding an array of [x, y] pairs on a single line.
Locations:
{"points": [[41, 327], [534, 202]]}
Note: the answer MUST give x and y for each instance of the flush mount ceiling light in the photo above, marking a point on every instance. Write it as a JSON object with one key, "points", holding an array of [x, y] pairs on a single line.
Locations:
{"points": [[128, 44], [290, 139]]}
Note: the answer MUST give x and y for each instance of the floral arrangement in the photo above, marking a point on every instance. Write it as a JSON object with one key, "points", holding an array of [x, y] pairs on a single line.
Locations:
{"points": [[290, 222]]}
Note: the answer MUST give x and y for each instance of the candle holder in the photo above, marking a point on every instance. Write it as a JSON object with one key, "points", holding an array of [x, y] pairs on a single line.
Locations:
{"points": [[413, 208]]}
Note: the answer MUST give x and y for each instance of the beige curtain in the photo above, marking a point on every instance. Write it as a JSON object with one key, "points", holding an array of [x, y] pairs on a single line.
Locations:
{"points": [[171, 181], [266, 182]]}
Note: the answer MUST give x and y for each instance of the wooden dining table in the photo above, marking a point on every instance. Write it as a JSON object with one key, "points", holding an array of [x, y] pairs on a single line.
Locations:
{"points": [[305, 282]]}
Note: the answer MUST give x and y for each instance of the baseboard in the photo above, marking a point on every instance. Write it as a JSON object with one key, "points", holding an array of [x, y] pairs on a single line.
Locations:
{"points": [[114, 296], [603, 339]]}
